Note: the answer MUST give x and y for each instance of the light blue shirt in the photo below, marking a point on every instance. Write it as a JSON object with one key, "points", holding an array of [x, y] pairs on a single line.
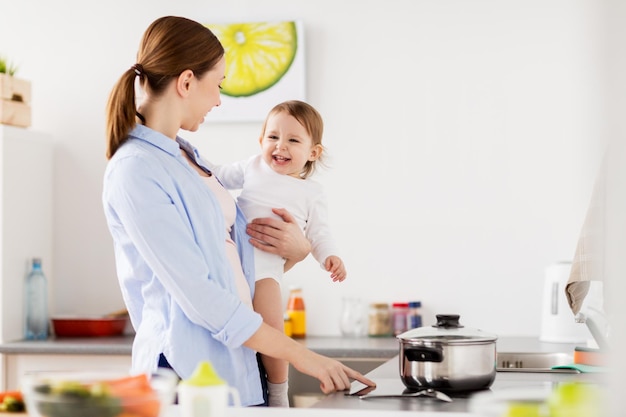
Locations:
{"points": [[168, 233]]}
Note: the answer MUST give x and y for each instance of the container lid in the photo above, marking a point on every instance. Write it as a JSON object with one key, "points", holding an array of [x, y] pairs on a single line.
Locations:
{"points": [[379, 305], [204, 375], [447, 330]]}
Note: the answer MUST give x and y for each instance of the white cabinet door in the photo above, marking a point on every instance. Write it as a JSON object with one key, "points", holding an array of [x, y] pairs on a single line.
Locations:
{"points": [[16, 365]]}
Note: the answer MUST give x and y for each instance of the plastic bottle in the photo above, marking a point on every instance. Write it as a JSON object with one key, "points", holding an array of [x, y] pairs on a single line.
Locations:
{"points": [[414, 318], [205, 393], [36, 303], [297, 313], [400, 312], [287, 326]]}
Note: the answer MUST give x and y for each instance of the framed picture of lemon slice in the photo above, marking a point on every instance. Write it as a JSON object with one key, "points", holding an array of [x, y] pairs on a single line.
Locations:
{"points": [[264, 66]]}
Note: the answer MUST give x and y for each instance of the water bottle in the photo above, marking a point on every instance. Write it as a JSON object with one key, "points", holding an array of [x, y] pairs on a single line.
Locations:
{"points": [[36, 302]]}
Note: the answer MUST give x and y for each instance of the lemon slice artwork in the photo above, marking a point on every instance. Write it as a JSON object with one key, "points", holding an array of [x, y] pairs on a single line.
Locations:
{"points": [[257, 54]]}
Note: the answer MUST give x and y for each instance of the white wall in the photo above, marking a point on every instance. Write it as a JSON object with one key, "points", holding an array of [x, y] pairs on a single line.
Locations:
{"points": [[464, 136]]}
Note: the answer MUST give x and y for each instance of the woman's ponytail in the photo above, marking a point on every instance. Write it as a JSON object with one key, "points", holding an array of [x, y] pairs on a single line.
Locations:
{"points": [[121, 111]]}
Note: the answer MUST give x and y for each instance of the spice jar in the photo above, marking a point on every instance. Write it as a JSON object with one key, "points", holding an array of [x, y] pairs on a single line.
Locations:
{"points": [[379, 320], [400, 312], [414, 319]]}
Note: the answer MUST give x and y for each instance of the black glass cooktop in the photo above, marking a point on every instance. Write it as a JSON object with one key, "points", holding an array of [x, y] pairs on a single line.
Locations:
{"points": [[395, 387]]}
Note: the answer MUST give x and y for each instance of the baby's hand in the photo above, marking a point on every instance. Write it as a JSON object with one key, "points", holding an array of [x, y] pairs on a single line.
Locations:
{"points": [[335, 266]]}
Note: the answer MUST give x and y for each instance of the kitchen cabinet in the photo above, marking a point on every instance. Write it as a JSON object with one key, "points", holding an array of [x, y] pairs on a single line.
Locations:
{"points": [[67, 354], [16, 366], [26, 210]]}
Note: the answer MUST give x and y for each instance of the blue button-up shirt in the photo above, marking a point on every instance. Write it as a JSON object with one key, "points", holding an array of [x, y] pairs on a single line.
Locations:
{"points": [[169, 239]]}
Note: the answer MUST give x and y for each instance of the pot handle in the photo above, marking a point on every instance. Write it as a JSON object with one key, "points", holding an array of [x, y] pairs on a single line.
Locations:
{"points": [[448, 321], [423, 354]]}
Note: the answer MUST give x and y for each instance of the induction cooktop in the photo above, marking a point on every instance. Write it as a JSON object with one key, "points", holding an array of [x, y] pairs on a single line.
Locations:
{"points": [[394, 387]]}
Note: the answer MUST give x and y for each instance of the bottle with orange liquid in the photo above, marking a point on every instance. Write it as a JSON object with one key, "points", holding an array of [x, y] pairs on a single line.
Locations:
{"points": [[296, 311]]}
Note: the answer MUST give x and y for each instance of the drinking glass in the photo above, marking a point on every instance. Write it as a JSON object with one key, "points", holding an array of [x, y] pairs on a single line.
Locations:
{"points": [[353, 321]]}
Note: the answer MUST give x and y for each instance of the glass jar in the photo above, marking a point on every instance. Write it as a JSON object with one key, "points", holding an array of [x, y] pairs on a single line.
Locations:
{"points": [[400, 312], [414, 318], [353, 322], [379, 320]]}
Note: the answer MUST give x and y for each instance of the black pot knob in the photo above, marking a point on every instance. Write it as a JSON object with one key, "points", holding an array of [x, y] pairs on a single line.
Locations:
{"points": [[448, 321]]}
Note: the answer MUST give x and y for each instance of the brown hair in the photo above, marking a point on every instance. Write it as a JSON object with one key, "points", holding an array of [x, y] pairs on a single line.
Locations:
{"points": [[169, 46], [308, 117]]}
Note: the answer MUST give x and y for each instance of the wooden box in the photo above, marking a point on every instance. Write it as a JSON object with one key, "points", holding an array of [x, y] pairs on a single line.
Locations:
{"points": [[14, 101]]}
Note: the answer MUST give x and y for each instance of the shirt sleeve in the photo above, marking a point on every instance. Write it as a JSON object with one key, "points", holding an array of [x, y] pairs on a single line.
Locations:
{"points": [[317, 230], [230, 175], [152, 229]]}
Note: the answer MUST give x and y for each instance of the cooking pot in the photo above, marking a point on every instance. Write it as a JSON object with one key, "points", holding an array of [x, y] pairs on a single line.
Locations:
{"points": [[447, 357]]}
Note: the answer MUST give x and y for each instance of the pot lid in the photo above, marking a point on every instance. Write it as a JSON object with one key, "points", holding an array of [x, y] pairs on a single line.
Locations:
{"points": [[448, 330]]}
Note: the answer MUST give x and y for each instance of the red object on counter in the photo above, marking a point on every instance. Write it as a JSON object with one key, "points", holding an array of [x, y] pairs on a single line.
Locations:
{"points": [[88, 327]]}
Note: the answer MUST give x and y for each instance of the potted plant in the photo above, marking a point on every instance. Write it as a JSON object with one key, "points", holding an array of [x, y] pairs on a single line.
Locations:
{"points": [[14, 96], [6, 67]]}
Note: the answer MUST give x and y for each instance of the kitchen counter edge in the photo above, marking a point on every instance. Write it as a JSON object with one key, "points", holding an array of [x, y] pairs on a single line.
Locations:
{"points": [[331, 346]]}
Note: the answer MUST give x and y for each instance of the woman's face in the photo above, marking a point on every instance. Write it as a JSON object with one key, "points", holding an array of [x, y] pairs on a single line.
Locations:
{"points": [[286, 146], [204, 95]]}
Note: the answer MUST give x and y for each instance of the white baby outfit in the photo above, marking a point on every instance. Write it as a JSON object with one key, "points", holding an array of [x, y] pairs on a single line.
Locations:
{"points": [[264, 189]]}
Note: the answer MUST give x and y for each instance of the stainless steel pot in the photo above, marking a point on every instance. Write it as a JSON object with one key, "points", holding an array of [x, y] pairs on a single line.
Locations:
{"points": [[447, 357]]}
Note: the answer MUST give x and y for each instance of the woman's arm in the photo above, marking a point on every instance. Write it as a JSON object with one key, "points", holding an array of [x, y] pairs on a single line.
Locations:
{"points": [[283, 238], [332, 374]]}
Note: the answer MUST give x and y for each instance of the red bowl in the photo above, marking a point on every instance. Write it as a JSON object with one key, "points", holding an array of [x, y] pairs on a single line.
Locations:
{"points": [[88, 327]]}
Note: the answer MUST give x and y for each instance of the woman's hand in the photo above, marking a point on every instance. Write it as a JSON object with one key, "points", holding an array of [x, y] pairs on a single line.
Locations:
{"points": [[332, 374], [283, 238]]}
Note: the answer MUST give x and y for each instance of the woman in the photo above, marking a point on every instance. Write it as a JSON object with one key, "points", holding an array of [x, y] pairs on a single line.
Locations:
{"points": [[183, 258]]}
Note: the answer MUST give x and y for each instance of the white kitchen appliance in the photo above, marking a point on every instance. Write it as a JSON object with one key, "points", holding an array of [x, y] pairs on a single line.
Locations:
{"points": [[558, 324]]}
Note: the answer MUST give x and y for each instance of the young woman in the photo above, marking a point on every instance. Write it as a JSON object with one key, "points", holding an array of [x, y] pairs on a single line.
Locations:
{"points": [[184, 261]]}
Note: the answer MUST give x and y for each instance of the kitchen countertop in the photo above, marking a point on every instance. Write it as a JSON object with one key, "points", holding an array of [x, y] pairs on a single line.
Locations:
{"points": [[388, 381], [386, 376], [119, 345], [174, 411], [332, 346]]}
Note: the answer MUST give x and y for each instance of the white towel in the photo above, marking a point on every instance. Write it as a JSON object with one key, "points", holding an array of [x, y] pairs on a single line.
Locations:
{"points": [[588, 262]]}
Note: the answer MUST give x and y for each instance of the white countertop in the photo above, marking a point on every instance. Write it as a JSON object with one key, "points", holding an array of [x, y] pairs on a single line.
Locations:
{"points": [[313, 412]]}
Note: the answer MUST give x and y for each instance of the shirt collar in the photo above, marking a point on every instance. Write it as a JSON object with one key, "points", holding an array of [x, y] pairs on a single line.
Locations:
{"points": [[155, 138]]}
